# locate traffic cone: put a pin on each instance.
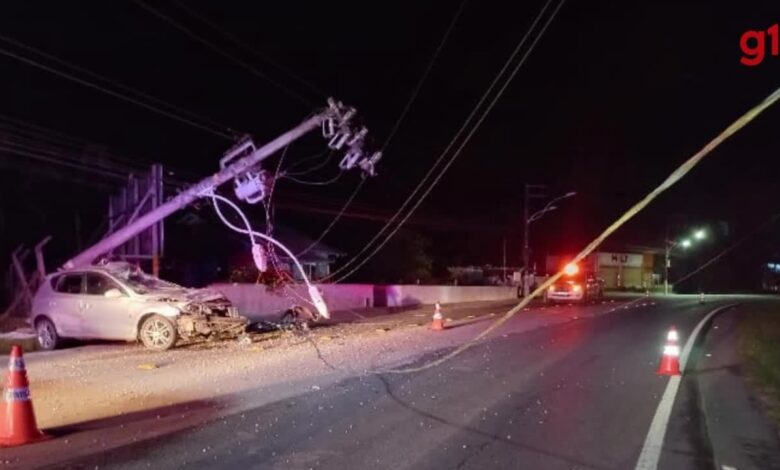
(670, 360)
(17, 419)
(438, 320)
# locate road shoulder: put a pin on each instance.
(740, 434)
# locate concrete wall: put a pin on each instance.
(256, 301)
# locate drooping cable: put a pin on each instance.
(178, 109)
(424, 76)
(452, 142)
(672, 179)
(114, 93)
(316, 298)
(240, 43)
(210, 45)
(334, 220)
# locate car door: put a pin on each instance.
(64, 305)
(105, 317)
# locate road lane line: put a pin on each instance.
(654, 442)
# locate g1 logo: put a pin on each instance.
(753, 45)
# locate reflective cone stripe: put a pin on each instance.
(672, 350)
(438, 320)
(16, 394)
(16, 363)
(670, 360)
(672, 335)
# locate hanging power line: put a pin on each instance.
(312, 169)
(452, 142)
(424, 76)
(111, 82)
(334, 220)
(115, 94)
(315, 183)
(223, 53)
(240, 43)
(670, 181)
(393, 130)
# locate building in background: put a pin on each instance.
(619, 269)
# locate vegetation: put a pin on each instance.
(758, 344)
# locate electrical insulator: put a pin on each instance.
(350, 159)
(368, 165)
(261, 260)
(359, 136)
(328, 128)
(338, 141)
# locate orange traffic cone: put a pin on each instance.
(670, 361)
(17, 419)
(438, 320)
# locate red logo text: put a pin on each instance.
(754, 45)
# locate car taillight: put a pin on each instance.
(576, 287)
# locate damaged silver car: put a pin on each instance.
(118, 301)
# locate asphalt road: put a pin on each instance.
(580, 394)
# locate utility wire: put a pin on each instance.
(424, 76)
(113, 93)
(222, 52)
(240, 43)
(734, 245)
(335, 219)
(671, 180)
(315, 183)
(91, 74)
(312, 169)
(462, 129)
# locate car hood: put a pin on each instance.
(186, 295)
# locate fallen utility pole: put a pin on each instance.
(335, 116)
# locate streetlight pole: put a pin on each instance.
(699, 234)
(527, 219)
(666, 267)
(526, 223)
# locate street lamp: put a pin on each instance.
(527, 220)
(699, 234)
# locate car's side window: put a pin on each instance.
(98, 284)
(69, 284)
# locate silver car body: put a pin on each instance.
(111, 301)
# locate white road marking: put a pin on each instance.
(654, 442)
(728, 467)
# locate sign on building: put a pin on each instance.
(628, 260)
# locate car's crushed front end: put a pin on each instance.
(197, 313)
(208, 314)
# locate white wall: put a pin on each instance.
(257, 302)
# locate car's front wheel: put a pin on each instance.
(158, 333)
(46, 334)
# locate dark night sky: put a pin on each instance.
(615, 96)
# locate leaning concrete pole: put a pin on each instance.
(194, 192)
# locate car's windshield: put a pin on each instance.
(142, 283)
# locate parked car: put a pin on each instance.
(118, 301)
(575, 287)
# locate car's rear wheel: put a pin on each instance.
(158, 333)
(48, 338)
